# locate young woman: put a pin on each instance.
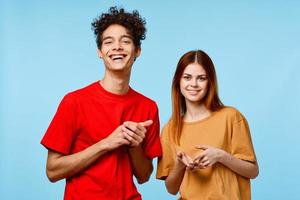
(207, 147)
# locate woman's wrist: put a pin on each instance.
(221, 156)
(179, 165)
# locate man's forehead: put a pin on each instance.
(118, 37)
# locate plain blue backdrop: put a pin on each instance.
(47, 49)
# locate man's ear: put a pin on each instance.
(138, 52)
(100, 55)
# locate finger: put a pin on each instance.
(179, 154)
(132, 141)
(146, 123)
(131, 136)
(141, 128)
(181, 157)
(136, 128)
(125, 141)
(200, 157)
(202, 146)
(204, 159)
(134, 135)
(206, 163)
(189, 162)
(196, 162)
(189, 158)
(191, 166)
(131, 125)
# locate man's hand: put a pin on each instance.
(135, 132)
(116, 139)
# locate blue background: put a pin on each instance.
(47, 48)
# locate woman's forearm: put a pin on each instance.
(244, 168)
(173, 181)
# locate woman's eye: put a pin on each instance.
(186, 77)
(203, 78)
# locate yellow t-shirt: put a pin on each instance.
(226, 129)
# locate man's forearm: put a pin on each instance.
(141, 165)
(61, 166)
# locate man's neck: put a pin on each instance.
(115, 83)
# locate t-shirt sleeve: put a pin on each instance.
(166, 161)
(62, 129)
(152, 145)
(242, 146)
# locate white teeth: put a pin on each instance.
(117, 57)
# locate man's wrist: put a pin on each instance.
(134, 148)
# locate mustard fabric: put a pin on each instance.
(226, 129)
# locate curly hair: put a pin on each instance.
(133, 22)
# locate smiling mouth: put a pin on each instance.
(193, 92)
(117, 57)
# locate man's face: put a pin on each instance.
(117, 50)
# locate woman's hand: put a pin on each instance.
(174, 179)
(208, 156)
(184, 160)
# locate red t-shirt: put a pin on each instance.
(89, 115)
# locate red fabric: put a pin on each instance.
(89, 115)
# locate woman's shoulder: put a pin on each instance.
(232, 113)
(166, 130)
(166, 127)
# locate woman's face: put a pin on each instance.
(194, 83)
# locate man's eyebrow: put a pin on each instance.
(126, 36)
(108, 37)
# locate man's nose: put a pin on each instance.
(117, 46)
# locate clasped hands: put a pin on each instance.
(206, 158)
(129, 133)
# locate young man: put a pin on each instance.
(105, 133)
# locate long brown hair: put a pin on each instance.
(211, 99)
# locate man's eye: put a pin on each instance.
(126, 41)
(107, 42)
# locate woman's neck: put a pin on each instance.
(195, 112)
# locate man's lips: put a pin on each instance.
(117, 56)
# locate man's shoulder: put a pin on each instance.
(144, 99)
(82, 92)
